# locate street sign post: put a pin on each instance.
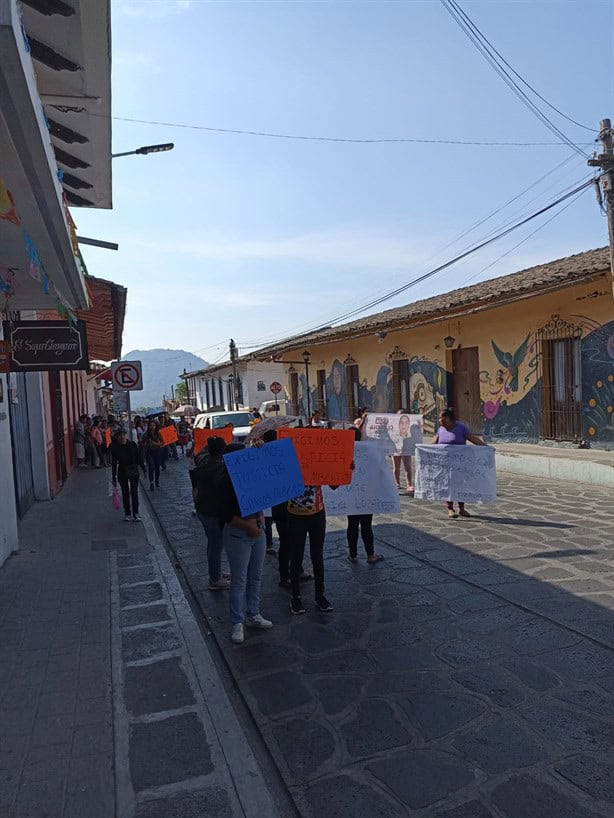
(276, 388)
(127, 376)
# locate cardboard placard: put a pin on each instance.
(449, 472)
(168, 435)
(372, 490)
(325, 455)
(201, 436)
(264, 476)
(396, 434)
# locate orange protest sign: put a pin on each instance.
(325, 455)
(107, 437)
(201, 436)
(168, 435)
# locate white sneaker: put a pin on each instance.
(258, 621)
(237, 635)
(128, 518)
(136, 518)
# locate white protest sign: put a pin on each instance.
(372, 490)
(396, 434)
(449, 472)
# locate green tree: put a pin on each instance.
(181, 392)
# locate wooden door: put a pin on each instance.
(400, 385)
(353, 390)
(466, 386)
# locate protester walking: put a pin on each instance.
(207, 478)
(153, 446)
(245, 545)
(452, 432)
(126, 458)
(363, 524)
(96, 436)
(307, 517)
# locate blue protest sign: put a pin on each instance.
(265, 476)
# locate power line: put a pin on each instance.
(483, 46)
(351, 140)
(441, 267)
(520, 77)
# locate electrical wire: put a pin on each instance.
(479, 41)
(351, 140)
(407, 285)
(519, 76)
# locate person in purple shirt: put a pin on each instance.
(452, 432)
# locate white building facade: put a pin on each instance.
(222, 387)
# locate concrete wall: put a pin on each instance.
(508, 364)
(253, 374)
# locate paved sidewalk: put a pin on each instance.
(468, 675)
(110, 704)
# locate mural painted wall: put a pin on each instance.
(509, 348)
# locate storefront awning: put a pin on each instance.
(36, 253)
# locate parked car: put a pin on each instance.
(275, 407)
(240, 419)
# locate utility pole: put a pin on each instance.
(605, 161)
(233, 361)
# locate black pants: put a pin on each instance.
(364, 522)
(268, 530)
(130, 491)
(299, 526)
(154, 458)
(280, 518)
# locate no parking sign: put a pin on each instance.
(127, 376)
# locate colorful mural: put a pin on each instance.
(427, 390)
(598, 385)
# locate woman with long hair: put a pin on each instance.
(153, 446)
(452, 432)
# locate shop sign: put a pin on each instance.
(39, 346)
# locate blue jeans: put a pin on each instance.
(246, 557)
(215, 545)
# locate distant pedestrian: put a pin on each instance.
(245, 545)
(96, 436)
(452, 432)
(207, 478)
(362, 523)
(126, 457)
(79, 440)
(153, 446)
(316, 420)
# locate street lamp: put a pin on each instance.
(306, 359)
(167, 146)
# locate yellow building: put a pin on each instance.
(524, 357)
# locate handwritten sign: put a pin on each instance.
(263, 477)
(325, 455)
(168, 435)
(447, 472)
(201, 436)
(372, 490)
(396, 434)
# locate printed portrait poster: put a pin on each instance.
(463, 473)
(397, 434)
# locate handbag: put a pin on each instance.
(115, 500)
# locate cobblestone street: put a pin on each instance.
(468, 675)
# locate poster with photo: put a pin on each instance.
(397, 434)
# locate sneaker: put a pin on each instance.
(151, 487)
(323, 604)
(258, 621)
(271, 551)
(157, 484)
(296, 605)
(127, 518)
(452, 514)
(136, 518)
(464, 513)
(219, 585)
(237, 635)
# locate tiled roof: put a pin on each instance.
(563, 272)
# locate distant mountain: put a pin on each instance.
(161, 368)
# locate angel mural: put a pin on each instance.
(510, 363)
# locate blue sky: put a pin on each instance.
(255, 238)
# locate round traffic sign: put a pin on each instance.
(127, 376)
(276, 387)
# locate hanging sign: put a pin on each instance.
(41, 346)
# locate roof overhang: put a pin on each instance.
(71, 49)
(29, 172)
